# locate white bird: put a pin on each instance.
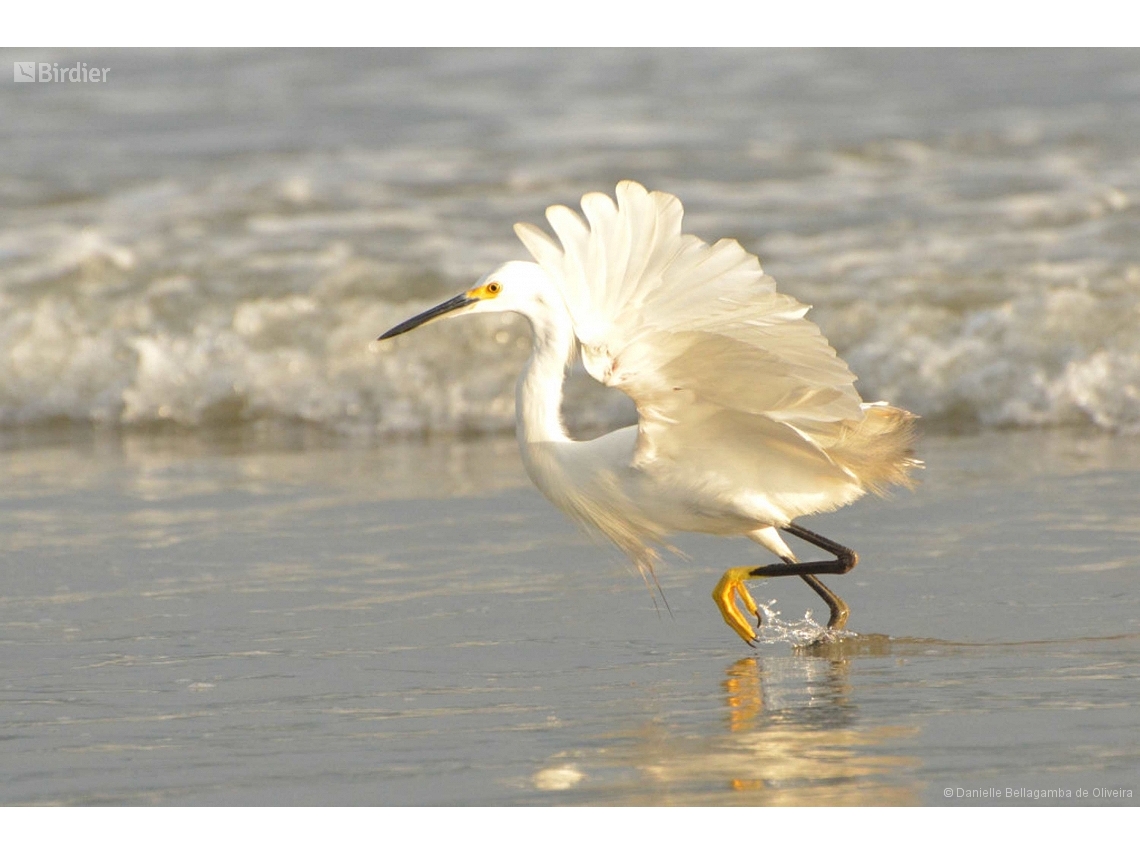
(747, 419)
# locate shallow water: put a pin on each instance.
(285, 621)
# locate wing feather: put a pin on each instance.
(539, 244)
(695, 333)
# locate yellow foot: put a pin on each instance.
(731, 586)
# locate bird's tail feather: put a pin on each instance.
(879, 449)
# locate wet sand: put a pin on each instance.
(295, 620)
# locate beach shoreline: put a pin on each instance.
(411, 623)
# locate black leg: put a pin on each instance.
(839, 610)
(845, 560)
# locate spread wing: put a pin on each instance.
(725, 372)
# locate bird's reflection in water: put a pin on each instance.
(790, 735)
(793, 737)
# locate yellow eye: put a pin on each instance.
(494, 288)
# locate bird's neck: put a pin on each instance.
(538, 396)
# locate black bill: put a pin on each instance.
(431, 314)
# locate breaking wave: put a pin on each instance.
(976, 266)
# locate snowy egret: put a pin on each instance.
(747, 419)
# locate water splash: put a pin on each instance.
(798, 633)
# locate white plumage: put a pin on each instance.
(747, 419)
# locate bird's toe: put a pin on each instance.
(728, 589)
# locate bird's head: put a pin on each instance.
(517, 286)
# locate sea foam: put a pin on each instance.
(974, 263)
